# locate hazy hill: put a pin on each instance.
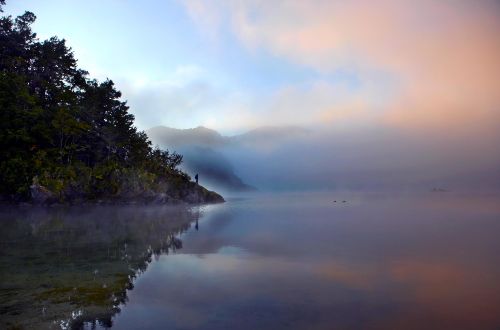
(202, 136)
(173, 137)
(197, 147)
(203, 148)
(214, 169)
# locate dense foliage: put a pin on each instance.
(63, 130)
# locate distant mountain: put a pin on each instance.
(197, 147)
(173, 137)
(203, 150)
(214, 169)
(203, 136)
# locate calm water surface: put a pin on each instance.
(284, 262)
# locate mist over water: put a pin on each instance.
(267, 260)
(311, 260)
(376, 159)
(358, 158)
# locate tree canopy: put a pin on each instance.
(63, 129)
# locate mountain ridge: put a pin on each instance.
(202, 135)
(203, 150)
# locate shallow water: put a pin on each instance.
(302, 262)
(62, 267)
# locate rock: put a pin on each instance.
(180, 193)
(161, 198)
(213, 197)
(41, 195)
(203, 195)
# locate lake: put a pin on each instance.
(267, 261)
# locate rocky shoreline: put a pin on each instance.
(190, 193)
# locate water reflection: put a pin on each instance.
(63, 268)
(307, 263)
(268, 262)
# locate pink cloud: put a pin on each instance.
(444, 55)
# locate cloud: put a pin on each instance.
(443, 55)
(320, 103)
(185, 99)
(155, 103)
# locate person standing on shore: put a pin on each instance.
(196, 178)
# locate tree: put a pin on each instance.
(61, 126)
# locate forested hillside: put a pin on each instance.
(68, 133)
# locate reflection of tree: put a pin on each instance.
(77, 265)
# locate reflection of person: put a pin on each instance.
(197, 217)
(196, 178)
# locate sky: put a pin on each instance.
(413, 83)
(234, 64)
